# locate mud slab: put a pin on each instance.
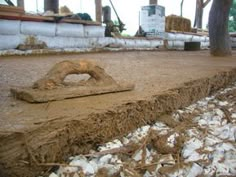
(32, 134)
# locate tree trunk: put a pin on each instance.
(220, 44)
(200, 5)
(52, 5)
(181, 8)
(153, 2)
(98, 7)
(198, 14)
(20, 3)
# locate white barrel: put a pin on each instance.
(70, 30)
(38, 28)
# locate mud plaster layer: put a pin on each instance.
(56, 138)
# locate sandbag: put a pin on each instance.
(156, 43)
(94, 31)
(143, 43)
(38, 28)
(70, 30)
(106, 42)
(9, 41)
(9, 27)
(64, 42)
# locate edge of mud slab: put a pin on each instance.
(53, 142)
(79, 51)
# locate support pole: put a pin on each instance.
(52, 5)
(153, 2)
(98, 4)
(20, 3)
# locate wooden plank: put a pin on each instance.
(24, 17)
(68, 20)
(13, 9)
(37, 18)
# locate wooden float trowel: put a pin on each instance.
(52, 86)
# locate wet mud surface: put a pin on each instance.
(33, 134)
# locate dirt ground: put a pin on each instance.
(33, 134)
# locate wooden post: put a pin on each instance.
(98, 4)
(52, 5)
(153, 2)
(20, 3)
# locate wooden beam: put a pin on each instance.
(20, 3)
(153, 2)
(52, 5)
(98, 4)
(11, 9)
(36, 18)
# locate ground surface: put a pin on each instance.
(152, 73)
